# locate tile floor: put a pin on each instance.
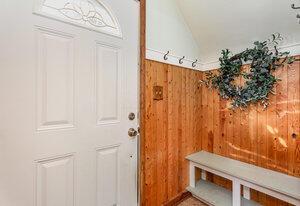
(192, 202)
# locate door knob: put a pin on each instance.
(132, 132)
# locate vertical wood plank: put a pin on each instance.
(262, 145)
(282, 124)
(204, 117)
(183, 179)
(238, 130)
(150, 157)
(244, 124)
(294, 119)
(281, 110)
(160, 107)
(171, 147)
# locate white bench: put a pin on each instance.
(278, 185)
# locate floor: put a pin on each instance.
(192, 202)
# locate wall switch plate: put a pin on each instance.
(158, 93)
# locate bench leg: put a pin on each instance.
(192, 175)
(246, 192)
(203, 174)
(236, 193)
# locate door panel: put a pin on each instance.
(107, 176)
(55, 89)
(55, 181)
(67, 86)
(108, 70)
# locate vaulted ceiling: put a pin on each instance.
(236, 24)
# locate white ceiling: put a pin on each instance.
(236, 24)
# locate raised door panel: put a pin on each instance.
(55, 181)
(107, 176)
(108, 84)
(55, 79)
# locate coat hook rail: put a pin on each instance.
(295, 7)
(168, 56)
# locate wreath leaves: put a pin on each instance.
(259, 82)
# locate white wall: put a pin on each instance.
(236, 24)
(166, 30)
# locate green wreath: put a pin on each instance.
(259, 80)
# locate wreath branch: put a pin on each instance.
(259, 81)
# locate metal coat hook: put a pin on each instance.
(194, 63)
(166, 55)
(295, 7)
(181, 60)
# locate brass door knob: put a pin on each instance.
(132, 132)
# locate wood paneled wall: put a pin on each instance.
(255, 136)
(191, 118)
(172, 130)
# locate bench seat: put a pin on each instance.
(273, 183)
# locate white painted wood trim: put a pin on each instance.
(236, 193)
(207, 169)
(207, 66)
(192, 175)
(285, 184)
(246, 192)
(156, 55)
(270, 192)
(294, 49)
(203, 174)
(173, 59)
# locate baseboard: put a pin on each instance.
(178, 199)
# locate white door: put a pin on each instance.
(68, 80)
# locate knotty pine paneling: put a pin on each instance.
(172, 131)
(192, 117)
(257, 136)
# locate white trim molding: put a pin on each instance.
(207, 66)
(156, 55)
(294, 49)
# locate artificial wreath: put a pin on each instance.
(264, 58)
